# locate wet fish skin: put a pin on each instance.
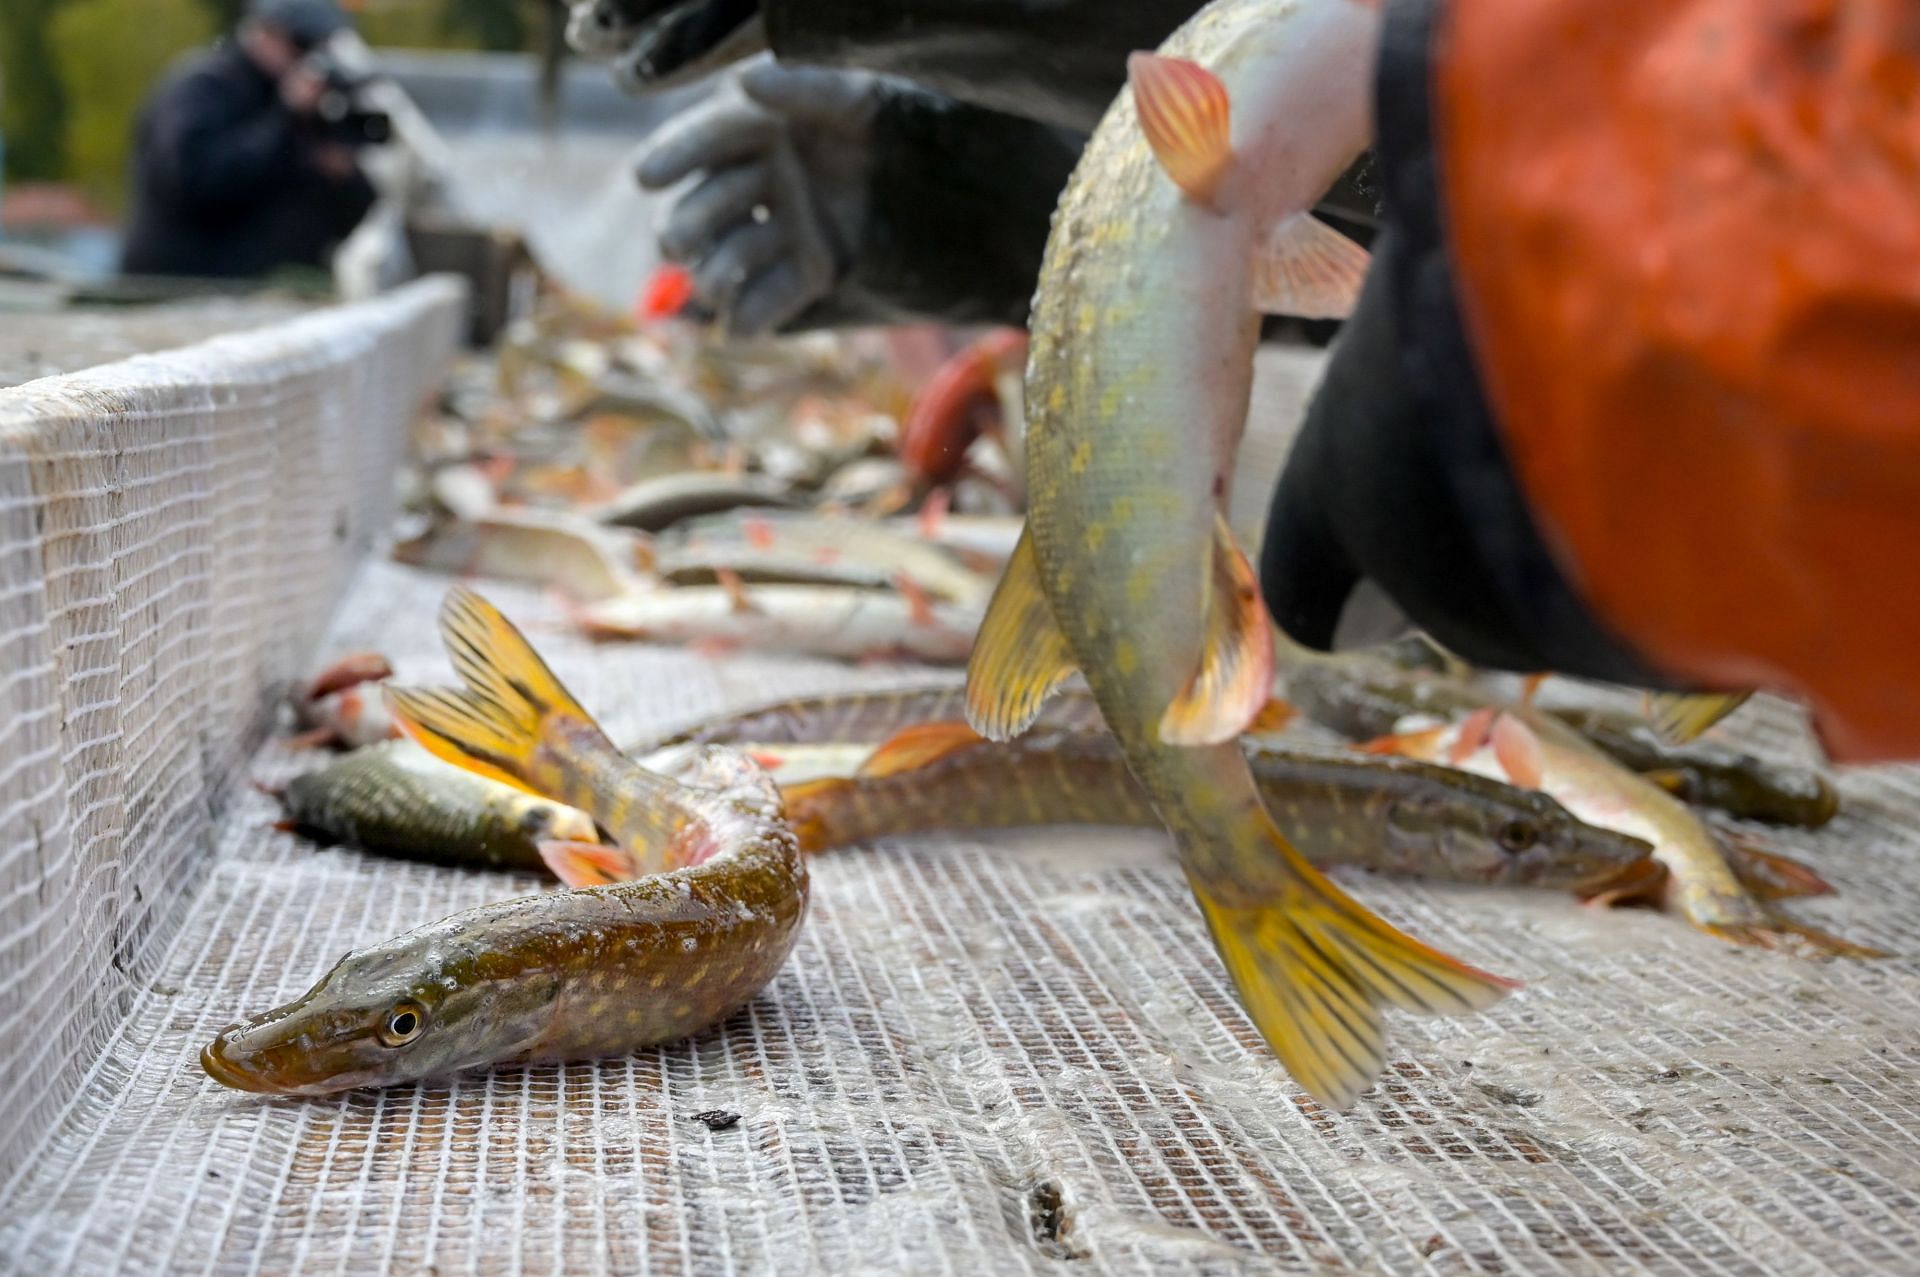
(1701, 885)
(1711, 775)
(1405, 817)
(862, 716)
(1362, 696)
(1143, 333)
(563, 975)
(397, 799)
(836, 621)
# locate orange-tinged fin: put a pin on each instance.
(352, 669)
(758, 531)
(1769, 875)
(1678, 717)
(1530, 687)
(1186, 116)
(1235, 677)
(1019, 656)
(919, 602)
(1424, 743)
(1273, 717)
(1640, 881)
(1307, 268)
(587, 864)
(497, 721)
(914, 747)
(1519, 751)
(1313, 969)
(735, 588)
(933, 512)
(1475, 728)
(1796, 939)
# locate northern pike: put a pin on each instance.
(821, 549)
(1524, 745)
(819, 620)
(660, 502)
(1409, 818)
(564, 975)
(1185, 218)
(397, 799)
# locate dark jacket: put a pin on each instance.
(223, 183)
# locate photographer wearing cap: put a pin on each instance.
(237, 168)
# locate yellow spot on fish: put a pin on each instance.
(1086, 317)
(1139, 586)
(1125, 658)
(1082, 458)
(1095, 536)
(1121, 509)
(1057, 398)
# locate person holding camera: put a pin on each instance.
(236, 171)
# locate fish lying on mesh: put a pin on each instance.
(561, 975)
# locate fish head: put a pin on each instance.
(392, 1013)
(1514, 837)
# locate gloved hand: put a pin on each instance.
(784, 155)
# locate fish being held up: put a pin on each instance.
(565, 975)
(1187, 216)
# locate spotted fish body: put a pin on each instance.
(562, 975)
(1407, 818)
(1143, 333)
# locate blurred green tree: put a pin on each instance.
(33, 103)
(109, 54)
(498, 25)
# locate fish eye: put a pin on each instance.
(403, 1024)
(1517, 836)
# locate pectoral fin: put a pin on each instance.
(1235, 676)
(1307, 268)
(1019, 656)
(914, 747)
(1184, 112)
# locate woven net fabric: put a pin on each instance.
(1005, 1054)
(175, 530)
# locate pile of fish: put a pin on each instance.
(825, 496)
(849, 496)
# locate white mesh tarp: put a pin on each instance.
(175, 530)
(998, 1055)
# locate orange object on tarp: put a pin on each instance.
(1687, 240)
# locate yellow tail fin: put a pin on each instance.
(1313, 968)
(510, 702)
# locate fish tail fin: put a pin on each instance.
(1313, 969)
(510, 707)
(1678, 717)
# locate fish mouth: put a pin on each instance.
(674, 46)
(1639, 879)
(228, 1073)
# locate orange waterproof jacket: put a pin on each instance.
(1687, 245)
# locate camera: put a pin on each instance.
(342, 112)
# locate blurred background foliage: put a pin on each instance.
(73, 73)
